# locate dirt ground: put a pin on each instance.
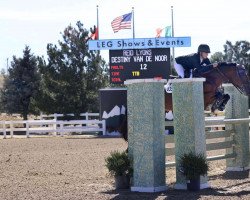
(72, 168)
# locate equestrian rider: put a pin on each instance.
(194, 65)
(196, 62)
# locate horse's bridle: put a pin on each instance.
(222, 74)
(240, 73)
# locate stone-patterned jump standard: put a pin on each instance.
(146, 139)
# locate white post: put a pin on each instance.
(4, 130)
(55, 124)
(61, 129)
(11, 129)
(27, 129)
(103, 127)
(41, 116)
(87, 118)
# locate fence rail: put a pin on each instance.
(46, 126)
(56, 115)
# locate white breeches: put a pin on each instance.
(179, 69)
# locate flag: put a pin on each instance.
(167, 29)
(122, 22)
(93, 34)
(158, 32)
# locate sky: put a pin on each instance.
(38, 22)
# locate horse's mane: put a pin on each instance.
(221, 65)
(227, 64)
(230, 72)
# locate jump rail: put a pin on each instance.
(210, 122)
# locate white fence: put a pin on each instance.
(54, 126)
(86, 115)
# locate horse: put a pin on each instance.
(224, 73)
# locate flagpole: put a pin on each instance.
(97, 22)
(172, 17)
(133, 15)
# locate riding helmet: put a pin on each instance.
(204, 48)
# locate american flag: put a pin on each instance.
(122, 22)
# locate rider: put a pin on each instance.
(194, 65)
(197, 62)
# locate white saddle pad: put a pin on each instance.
(168, 87)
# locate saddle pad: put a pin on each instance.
(168, 87)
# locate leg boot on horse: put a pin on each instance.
(220, 101)
(226, 98)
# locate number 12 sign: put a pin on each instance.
(139, 64)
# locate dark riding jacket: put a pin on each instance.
(192, 62)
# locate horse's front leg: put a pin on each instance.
(209, 93)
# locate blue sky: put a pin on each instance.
(36, 23)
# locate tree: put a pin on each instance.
(217, 57)
(239, 52)
(21, 84)
(73, 75)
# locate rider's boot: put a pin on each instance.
(226, 98)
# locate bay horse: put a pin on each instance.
(224, 73)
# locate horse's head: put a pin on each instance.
(235, 74)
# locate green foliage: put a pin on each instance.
(217, 57)
(73, 75)
(21, 84)
(238, 53)
(192, 165)
(119, 163)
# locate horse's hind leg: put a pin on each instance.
(225, 99)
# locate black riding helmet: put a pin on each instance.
(204, 48)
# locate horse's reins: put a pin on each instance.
(222, 74)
